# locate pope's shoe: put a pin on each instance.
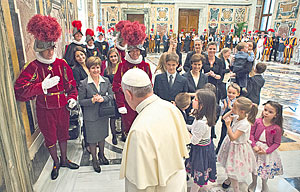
(69, 164)
(54, 172)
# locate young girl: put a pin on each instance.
(236, 154)
(202, 162)
(233, 91)
(266, 137)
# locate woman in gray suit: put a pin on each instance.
(92, 91)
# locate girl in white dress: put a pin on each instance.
(236, 154)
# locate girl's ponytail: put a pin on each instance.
(252, 114)
(250, 108)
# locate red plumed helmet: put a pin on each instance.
(256, 31)
(223, 31)
(182, 30)
(271, 30)
(120, 25)
(133, 33)
(193, 30)
(171, 30)
(294, 29)
(44, 28)
(99, 29)
(249, 32)
(89, 32)
(152, 30)
(244, 30)
(77, 24)
(204, 30)
(231, 30)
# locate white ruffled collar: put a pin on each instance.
(78, 42)
(120, 47)
(90, 47)
(43, 60)
(130, 60)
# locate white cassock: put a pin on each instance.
(155, 147)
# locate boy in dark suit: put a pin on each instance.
(167, 85)
(255, 83)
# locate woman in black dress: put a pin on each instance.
(213, 68)
(113, 61)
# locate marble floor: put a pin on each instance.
(282, 85)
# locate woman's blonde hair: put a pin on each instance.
(161, 63)
(245, 104)
(110, 67)
(93, 60)
(223, 51)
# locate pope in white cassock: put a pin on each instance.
(156, 143)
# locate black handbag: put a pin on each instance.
(107, 109)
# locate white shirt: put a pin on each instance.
(200, 130)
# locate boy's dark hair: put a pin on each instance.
(196, 58)
(172, 57)
(260, 67)
(182, 100)
(207, 100)
(240, 46)
(211, 87)
(235, 86)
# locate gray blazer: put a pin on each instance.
(85, 93)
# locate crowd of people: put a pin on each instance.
(160, 114)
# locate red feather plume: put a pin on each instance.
(171, 30)
(99, 29)
(89, 32)
(249, 32)
(77, 24)
(193, 29)
(244, 30)
(133, 33)
(256, 31)
(294, 29)
(204, 30)
(223, 31)
(231, 30)
(152, 30)
(272, 30)
(182, 30)
(44, 28)
(120, 25)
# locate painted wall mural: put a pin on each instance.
(162, 14)
(223, 18)
(287, 10)
(226, 14)
(214, 14)
(287, 13)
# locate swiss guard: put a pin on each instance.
(91, 49)
(50, 81)
(77, 41)
(101, 43)
(289, 44)
(133, 34)
(268, 44)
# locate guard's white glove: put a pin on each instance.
(72, 103)
(122, 110)
(49, 82)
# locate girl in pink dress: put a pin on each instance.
(236, 154)
(266, 137)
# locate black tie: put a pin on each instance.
(170, 81)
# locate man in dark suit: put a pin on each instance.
(228, 40)
(157, 43)
(197, 50)
(167, 85)
(275, 46)
(187, 42)
(255, 83)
